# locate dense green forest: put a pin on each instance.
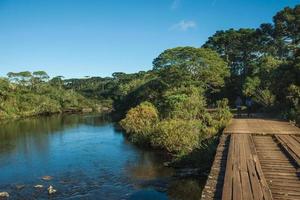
(184, 100)
(26, 94)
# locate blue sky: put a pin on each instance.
(77, 38)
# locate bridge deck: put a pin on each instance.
(252, 165)
(260, 126)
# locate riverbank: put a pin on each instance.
(31, 114)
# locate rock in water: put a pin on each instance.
(51, 190)
(47, 178)
(19, 187)
(4, 194)
(38, 186)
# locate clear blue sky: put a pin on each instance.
(76, 38)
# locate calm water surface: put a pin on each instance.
(87, 158)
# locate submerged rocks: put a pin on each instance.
(47, 178)
(4, 194)
(20, 187)
(51, 190)
(38, 186)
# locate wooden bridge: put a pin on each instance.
(256, 159)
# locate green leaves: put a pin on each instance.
(28, 94)
(287, 26)
(140, 122)
(182, 66)
(177, 135)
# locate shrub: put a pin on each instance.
(178, 136)
(222, 115)
(184, 103)
(140, 122)
(294, 99)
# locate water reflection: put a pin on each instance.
(87, 158)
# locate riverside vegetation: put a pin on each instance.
(167, 107)
(27, 94)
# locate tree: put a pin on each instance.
(20, 77)
(184, 103)
(57, 81)
(40, 76)
(287, 28)
(189, 65)
(236, 47)
(265, 41)
(260, 83)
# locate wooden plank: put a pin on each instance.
(237, 185)
(255, 185)
(227, 188)
(247, 191)
(282, 178)
(243, 177)
(263, 182)
(291, 145)
(260, 126)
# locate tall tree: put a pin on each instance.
(20, 77)
(236, 47)
(189, 65)
(40, 76)
(287, 28)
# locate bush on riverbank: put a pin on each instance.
(140, 122)
(179, 136)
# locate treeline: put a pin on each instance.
(26, 94)
(264, 63)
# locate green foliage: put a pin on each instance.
(177, 135)
(140, 122)
(253, 53)
(25, 94)
(178, 85)
(294, 98)
(151, 91)
(287, 25)
(131, 86)
(222, 115)
(184, 124)
(189, 65)
(184, 103)
(235, 47)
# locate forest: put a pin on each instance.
(185, 98)
(25, 94)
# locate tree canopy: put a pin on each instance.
(189, 65)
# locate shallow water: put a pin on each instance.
(87, 158)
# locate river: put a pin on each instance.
(86, 157)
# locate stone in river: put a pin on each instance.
(19, 187)
(51, 190)
(38, 186)
(4, 194)
(47, 178)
